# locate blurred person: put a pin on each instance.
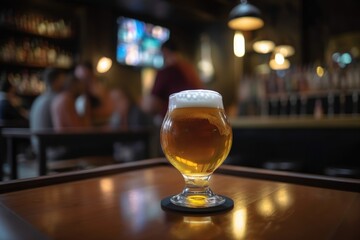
(126, 112)
(177, 75)
(63, 110)
(40, 112)
(96, 94)
(128, 115)
(10, 109)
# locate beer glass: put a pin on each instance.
(196, 138)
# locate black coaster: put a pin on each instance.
(166, 204)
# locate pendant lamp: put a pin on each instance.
(263, 46)
(245, 17)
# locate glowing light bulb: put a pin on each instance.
(104, 65)
(279, 58)
(239, 44)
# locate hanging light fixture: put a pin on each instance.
(285, 50)
(263, 46)
(239, 44)
(262, 43)
(279, 62)
(245, 17)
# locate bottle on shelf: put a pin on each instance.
(34, 51)
(36, 23)
(312, 91)
(26, 83)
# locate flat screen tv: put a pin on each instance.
(139, 43)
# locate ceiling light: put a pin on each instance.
(278, 62)
(264, 46)
(104, 65)
(285, 50)
(245, 17)
(239, 44)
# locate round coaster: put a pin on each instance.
(166, 204)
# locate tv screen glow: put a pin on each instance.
(139, 43)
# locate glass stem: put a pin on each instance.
(198, 185)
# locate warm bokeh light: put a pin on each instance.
(283, 198)
(197, 220)
(263, 46)
(246, 23)
(106, 185)
(320, 71)
(279, 58)
(239, 223)
(278, 62)
(147, 79)
(275, 66)
(239, 44)
(285, 50)
(104, 65)
(266, 207)
(205, 65)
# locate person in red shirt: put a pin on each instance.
(177, 75)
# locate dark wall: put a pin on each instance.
(97, 30)
(227, 67)
(98, 37)
(323, 20)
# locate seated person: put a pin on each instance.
(65, 117)
(63, 111)
(40, 113)
(96, 94)
(128, 115)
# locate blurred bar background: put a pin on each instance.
(295, 110)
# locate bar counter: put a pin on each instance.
(304, 144)
(123, 202)
(296, 122)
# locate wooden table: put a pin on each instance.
(70, 138)
(123, 202)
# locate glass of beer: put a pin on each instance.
(196, 138)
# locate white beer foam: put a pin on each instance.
(196, 98)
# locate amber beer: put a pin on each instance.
(196, 136)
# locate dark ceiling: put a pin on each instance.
(338, 15)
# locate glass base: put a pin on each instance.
(197, 200)
(167, 205)
(197, 193)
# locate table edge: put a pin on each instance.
(336, 183)
(344, 184)
(41, 181)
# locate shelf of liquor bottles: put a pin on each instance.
(37, 24)
(33, 39)
(34, 52)
(302, 92)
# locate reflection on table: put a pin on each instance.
(123, 202)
